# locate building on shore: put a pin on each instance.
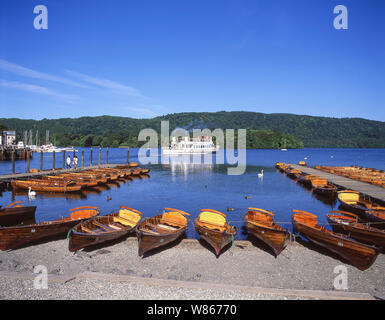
(8, 138)
(8, 146)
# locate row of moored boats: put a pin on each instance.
(368, 175)
(85, 228)
(74, 181)
(358, 229)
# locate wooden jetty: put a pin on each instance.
(373, 191)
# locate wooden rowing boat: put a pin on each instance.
(100, 178)
(102, 229)
(43, 186)
(160, 230)
(353, 201)
(293, 173)
(110, 175)
(324, 188)
(306, 179)
(16, 213)
(84, 181)
(211, 225)
(19, 236)
(346, 222)
(376, 216)
(260, 223)
(357, 254)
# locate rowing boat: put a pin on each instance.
(376, 216)
(84, 181)
(102, 229)
(306, 179)
(44, 186)
(357, 254)
(260, 223)
(211, 225)
(18, 236)
(16, 213)
(346, 222)
(160, 230)
(324, 188)
(353, 201)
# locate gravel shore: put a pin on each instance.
(299, 266)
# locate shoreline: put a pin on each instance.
(247, 269)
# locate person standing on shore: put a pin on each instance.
(75, 162)
(68, 163)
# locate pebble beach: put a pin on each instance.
(187, 269)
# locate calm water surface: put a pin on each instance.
(192, 187)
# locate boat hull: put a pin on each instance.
(148, 241)
(363, 233)
(275, 239)
(17, 215)
(15, 237)
(357, 254)
(79, 240)
(215, 238)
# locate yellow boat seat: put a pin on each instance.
(174, 219)
(349, 198)
(127, 218)
(212, 220)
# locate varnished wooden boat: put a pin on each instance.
(260, 223)
(18, 236)
(346, 222)
(354, 202)
(110, 175)
(160, 230)
(293, 173)
(376, 217)
(212, 227)
(85, 182)
(102, 229)
(16, 213)
(306, 179)
(324, 188)
(43, 186)
(100, 178)
(357, 254)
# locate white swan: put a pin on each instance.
(260, 175)
(31, 193)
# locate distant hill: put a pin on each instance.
(301, 130)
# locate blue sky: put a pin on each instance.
(145, 58)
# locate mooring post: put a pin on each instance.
(64, 159)
(27, 161)
(107, 156)
(91, 158)
(13, 161)
(53, 160)
(41, 160)
(100, 153)
(82, 158)
(128, 156)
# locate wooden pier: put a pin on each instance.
(370, 190)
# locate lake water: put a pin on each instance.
(191, 187)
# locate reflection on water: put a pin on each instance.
(181, 165)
